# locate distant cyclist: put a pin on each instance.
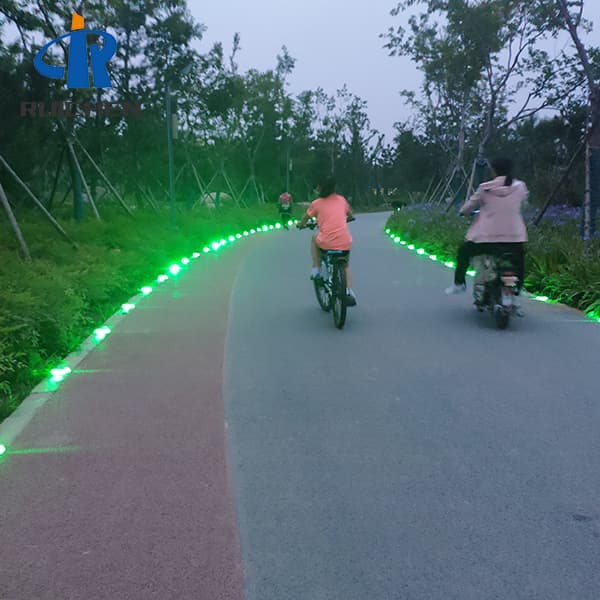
(331, 211)
(285, 207)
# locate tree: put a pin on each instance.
(478, 57)
(572, 22)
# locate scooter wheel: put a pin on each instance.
(501, 317)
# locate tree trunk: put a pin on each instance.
(77, 190)
(592, 194)
(14, 224)
(592, 197)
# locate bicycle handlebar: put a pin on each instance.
(313, 224)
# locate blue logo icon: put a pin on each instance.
(78, 67)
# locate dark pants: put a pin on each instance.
(470, 249)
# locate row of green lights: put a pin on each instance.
(58, 374)
(421, 251)
(451, 265)
(175, 269)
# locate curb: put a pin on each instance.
(16, 422)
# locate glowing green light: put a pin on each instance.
(238, 236)
(403, 243)
(277, 225)
(101, 333)
(162, 278)
(541, 298)
(215, 245)
(397, 240)
(265, 228)
(223, 242)
(127, 307)
(206, 250)
(146, 290)
(174, 269)
(471, 273)
(185, 261)
(253, 231)
(196, 255)
(231, 238)
(433, 257)
(449, 264)
(421, 251)
(411, 247)
(59, 374)
(387, 230)
(271, 227)
(246, 234)
(2, 449)
(291, 222)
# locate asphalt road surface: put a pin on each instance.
(228, 442)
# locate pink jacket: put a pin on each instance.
(499, 218)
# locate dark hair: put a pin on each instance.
(327, 185)
(503, 167)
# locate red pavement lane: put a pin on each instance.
(143, 508)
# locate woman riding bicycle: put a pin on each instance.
(499, 226)
(332, 212)
(285, 205)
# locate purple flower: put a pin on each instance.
(561, 214)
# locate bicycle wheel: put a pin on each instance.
(339, 294)
(322, 293)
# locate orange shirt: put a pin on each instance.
(331, 215)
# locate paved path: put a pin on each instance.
(142, 510)
(419, 454)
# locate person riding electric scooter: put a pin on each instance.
(498, 227)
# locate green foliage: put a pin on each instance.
(236, 130)
(49, 306)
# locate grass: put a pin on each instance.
(49, 306)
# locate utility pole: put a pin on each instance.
(171, 135)
(287, 169)
(170, 153)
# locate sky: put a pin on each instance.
(333, 41)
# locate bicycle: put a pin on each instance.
(330, 286)
(286, 217)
